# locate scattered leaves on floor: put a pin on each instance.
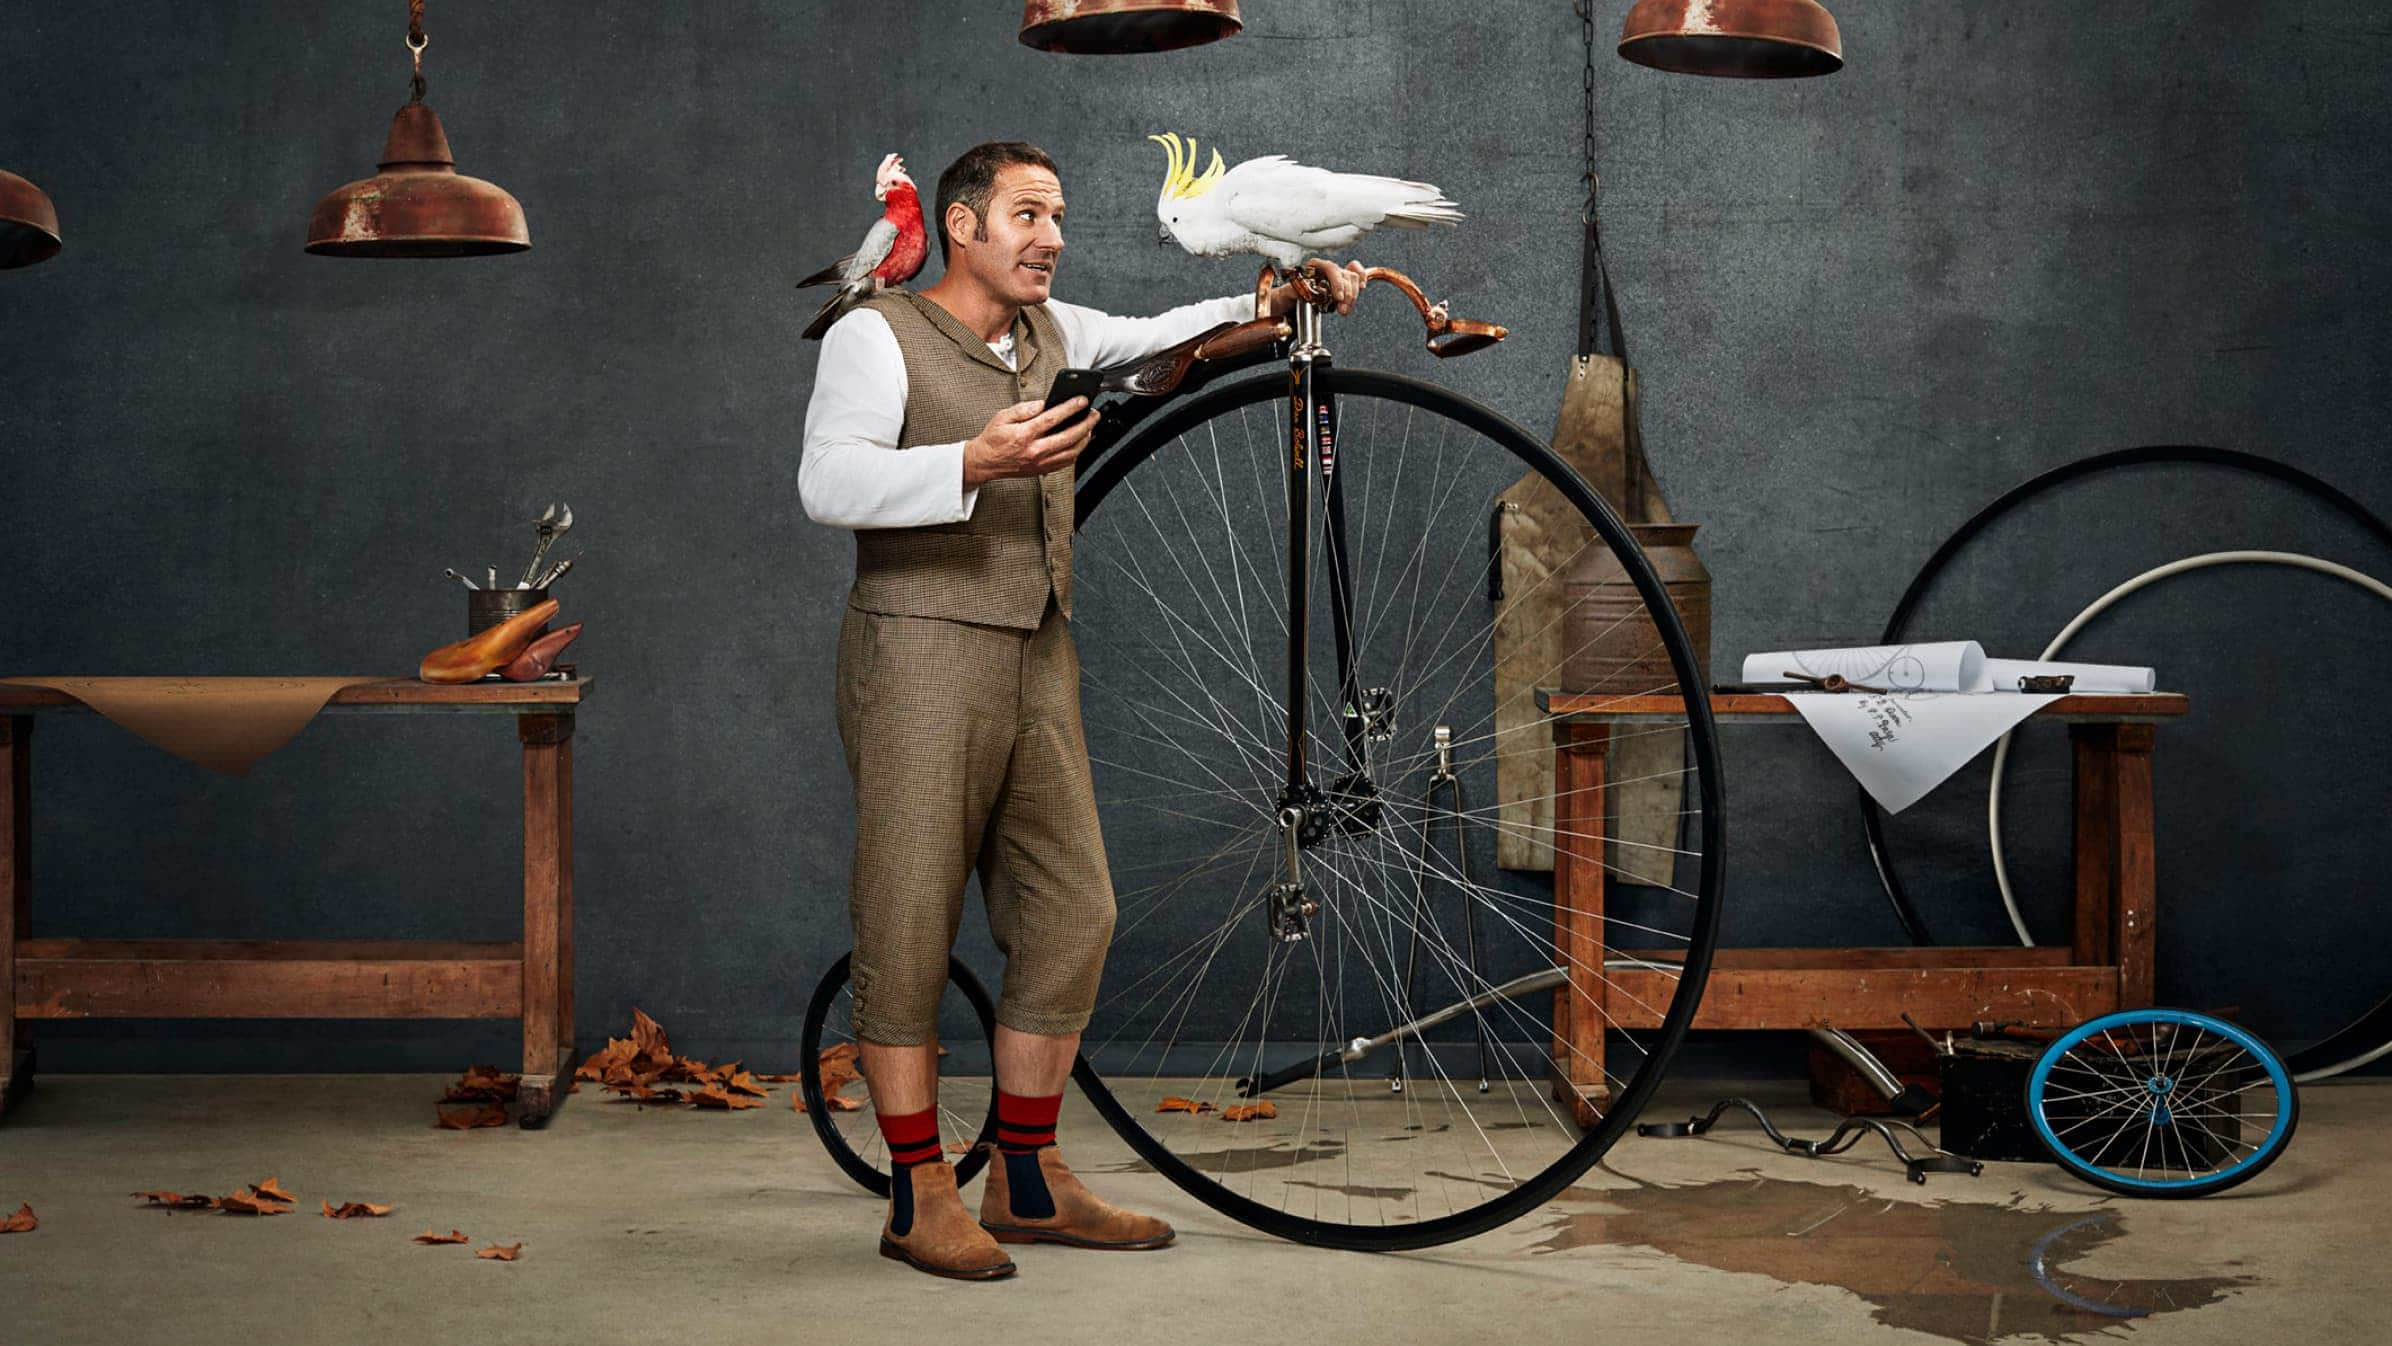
(470, 1119)
(1178, 1104)
(435, 1236)
(1250, 1112)
(502, 1252)
(839, 1069)
(251, 1203)
(178, 1201)
(488, 1089)
(715, 1096)
(350, 1210)
(272, 1190)
(23, 1222)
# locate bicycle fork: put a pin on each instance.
(1306, 813)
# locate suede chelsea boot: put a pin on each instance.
(1070, 1214)
(937, 1233)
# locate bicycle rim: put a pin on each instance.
(842, 1113)
(1180, 618)
(2164, 1103)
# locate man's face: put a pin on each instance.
(1016, 261)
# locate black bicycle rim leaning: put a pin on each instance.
(2361, 1036)
(1166, 428)
(809, 1078)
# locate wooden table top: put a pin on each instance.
(1741, 705)
(385, 695)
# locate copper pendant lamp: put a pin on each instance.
(28, 223)
(1119, 27)
(418, 204)
(1742, 39)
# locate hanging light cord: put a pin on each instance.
(416, 42)
(1589, 306)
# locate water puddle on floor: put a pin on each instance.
(1967, 1272)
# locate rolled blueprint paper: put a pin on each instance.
(1945, 666)
(2005, 673)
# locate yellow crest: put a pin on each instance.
(1182, 182)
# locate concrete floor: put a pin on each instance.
(668, 1226)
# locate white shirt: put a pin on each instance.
(851, 476)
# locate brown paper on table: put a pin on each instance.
(224, 724)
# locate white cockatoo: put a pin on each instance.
(1281, 209)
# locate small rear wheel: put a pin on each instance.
(832, 1085)
(2162, 1102)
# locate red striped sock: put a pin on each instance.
(1024, 1124)
(913, 1137)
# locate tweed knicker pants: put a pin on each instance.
(965, 745)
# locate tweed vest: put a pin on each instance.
(997, 566)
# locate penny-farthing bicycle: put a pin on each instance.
(1327, 1012)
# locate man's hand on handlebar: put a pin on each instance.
(1344, 283)
(1028, 440)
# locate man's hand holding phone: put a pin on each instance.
(1028, 439)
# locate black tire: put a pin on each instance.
(1120, 464)
(828, 995)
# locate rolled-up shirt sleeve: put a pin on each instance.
(850, 473)
(1094, 340)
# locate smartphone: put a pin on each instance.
(1073, 383)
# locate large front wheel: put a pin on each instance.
(1347, 1036)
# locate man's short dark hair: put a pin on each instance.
(972, 179)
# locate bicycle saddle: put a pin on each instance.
(1161, 372)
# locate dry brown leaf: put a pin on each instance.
(458, 1119)
(713, 1096)
(779, 1079)
(350, 1210)
(23, 1222)
(1250, 1112)
(648, 1035)
(435, 1236)
(744, 1083)
(271, 1189)
(1176, 1104)
(250, 1203)
(501, 1252)
(178, 1201)
(484, 1084)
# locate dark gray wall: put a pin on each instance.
(2007, 236)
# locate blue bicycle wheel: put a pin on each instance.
(2162, 1102)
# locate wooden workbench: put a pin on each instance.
(2106, 965)
(530, 979)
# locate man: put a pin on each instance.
(958, 691)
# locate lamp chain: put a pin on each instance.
(416, 42)
(1591, 302)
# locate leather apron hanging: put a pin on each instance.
(1538, 534)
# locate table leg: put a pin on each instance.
(2093, 941)
(2116, 856)
(1578, 890)
(546, 878)
(2136, 913)
(16, 900)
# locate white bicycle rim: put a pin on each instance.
(2001, 750)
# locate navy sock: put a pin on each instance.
(913, 1140)
(1024, 1127)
